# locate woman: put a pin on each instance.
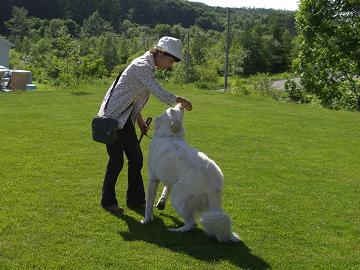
(125, 104)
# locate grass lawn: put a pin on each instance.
(292, 186)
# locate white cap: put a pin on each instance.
(171, 46)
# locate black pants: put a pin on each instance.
(127, 142)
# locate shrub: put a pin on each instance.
(163, 75)
(178, 74)
(92, 67)
(239, 86)
(208, 77)
(258, 85)
(261, 84)
(350, 98)
(118, 69)
(296, 93)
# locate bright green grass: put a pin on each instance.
(292, 186)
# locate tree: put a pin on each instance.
(19, 24)
(55, 28)
(162, 30)
(95, 25)
(66, 59)
(260, 50)
(197, 45)
(285, 50)
(129, 29)
(108, 51)
(123, 49)
(237, 56)
(329, 51)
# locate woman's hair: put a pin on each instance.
(154, 52)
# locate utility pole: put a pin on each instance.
(187, 60)
(227, 50)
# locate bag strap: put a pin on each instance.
(115, 83)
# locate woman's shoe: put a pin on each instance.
(136, 206)
(116, 209)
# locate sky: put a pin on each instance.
(275, 4)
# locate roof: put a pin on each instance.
(3, 40)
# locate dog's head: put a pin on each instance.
(170, 123)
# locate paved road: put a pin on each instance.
(280, 84)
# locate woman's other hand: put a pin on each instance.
(142, 125)
(185, 103)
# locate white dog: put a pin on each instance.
(196, 182)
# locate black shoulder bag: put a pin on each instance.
(104, 129)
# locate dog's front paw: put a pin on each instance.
(147, 220)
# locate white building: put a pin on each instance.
(4, 51)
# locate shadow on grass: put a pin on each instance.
(195, 243)
(80, 93)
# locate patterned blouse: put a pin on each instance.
(133, 90)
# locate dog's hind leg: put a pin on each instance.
(189, 225)
(151, 193)
(184, 207)
(214, 201)
(163, 198)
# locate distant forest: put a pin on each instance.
(70, 41)
(67, 42)
(144, 12)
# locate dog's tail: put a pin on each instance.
(217, 223)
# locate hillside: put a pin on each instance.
(143, 12)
